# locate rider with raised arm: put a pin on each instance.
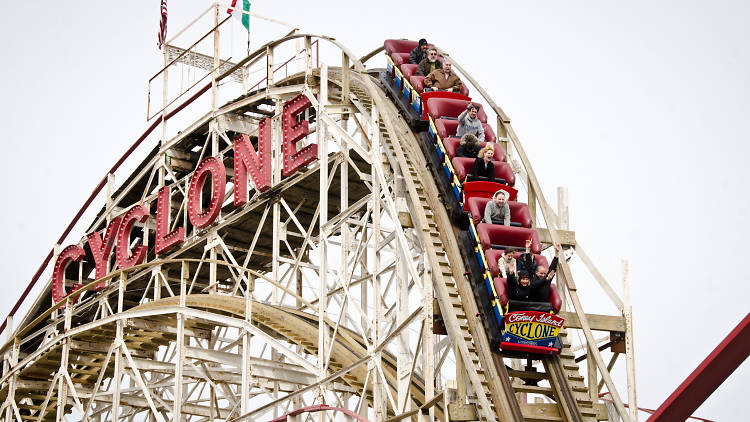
(468, 122)
(544, 278)
(530, 283)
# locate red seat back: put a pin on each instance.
(554, 298)
(484, 189)
(399, 46)
(464, 165)
(501, 289)
(446, 128)
(519, 212)
(439, 94)
(495, 234)
(400, 58)
(408, 69)
(417, 82)
(494, 255)
(451, 107)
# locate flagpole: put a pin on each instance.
(248, 28)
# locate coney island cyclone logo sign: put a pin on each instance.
(532, 328)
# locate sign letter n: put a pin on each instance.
(245, 158)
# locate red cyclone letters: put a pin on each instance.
(100, 250)
(72, 253)
(210, 166)
(124, 258)
(258, 164)
(246, 159)
(295, 132)
(165, 241)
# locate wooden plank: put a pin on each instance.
(462, 412)
(596, 322)
(566, 237)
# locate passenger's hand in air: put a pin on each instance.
(528, 245)
(557, 250)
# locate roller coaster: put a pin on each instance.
(305, 246)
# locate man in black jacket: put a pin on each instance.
(533, 281)
(543, 278)
(419, 52)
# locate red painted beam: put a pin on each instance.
(708, 376)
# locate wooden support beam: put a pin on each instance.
(550, 411)
(565, 237)
(596, 322)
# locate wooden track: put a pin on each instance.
(145, 334)
(149, 325)
(566, 384)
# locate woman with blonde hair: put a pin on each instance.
(483, 166)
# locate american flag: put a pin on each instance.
(163, 24)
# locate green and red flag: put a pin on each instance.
(241, 12)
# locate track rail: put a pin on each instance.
(66, 362)
(498, 386)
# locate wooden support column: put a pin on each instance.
(564, 224)
(323, 245)
(345, 84)
(180, 345)
(308, 61)
(10, 361)
(502, 135)
(460, 378)
(532, 202)
(117, 376)
(246, 357)
(269, 67)
(404, 358)
(428, 342)
(629, 348)
(375, 319)
(591, 374)
(62, 391)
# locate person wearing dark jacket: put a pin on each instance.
(519, 284)
(545, 276)
(483, 164)
(469, 146)
(419, 52)
(429, 63)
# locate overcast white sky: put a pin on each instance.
(638, 108)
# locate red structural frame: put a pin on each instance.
(708, 376)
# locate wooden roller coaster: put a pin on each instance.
(328, 283)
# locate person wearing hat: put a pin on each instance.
(419, 52)
(497, 210)
(519, 284)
